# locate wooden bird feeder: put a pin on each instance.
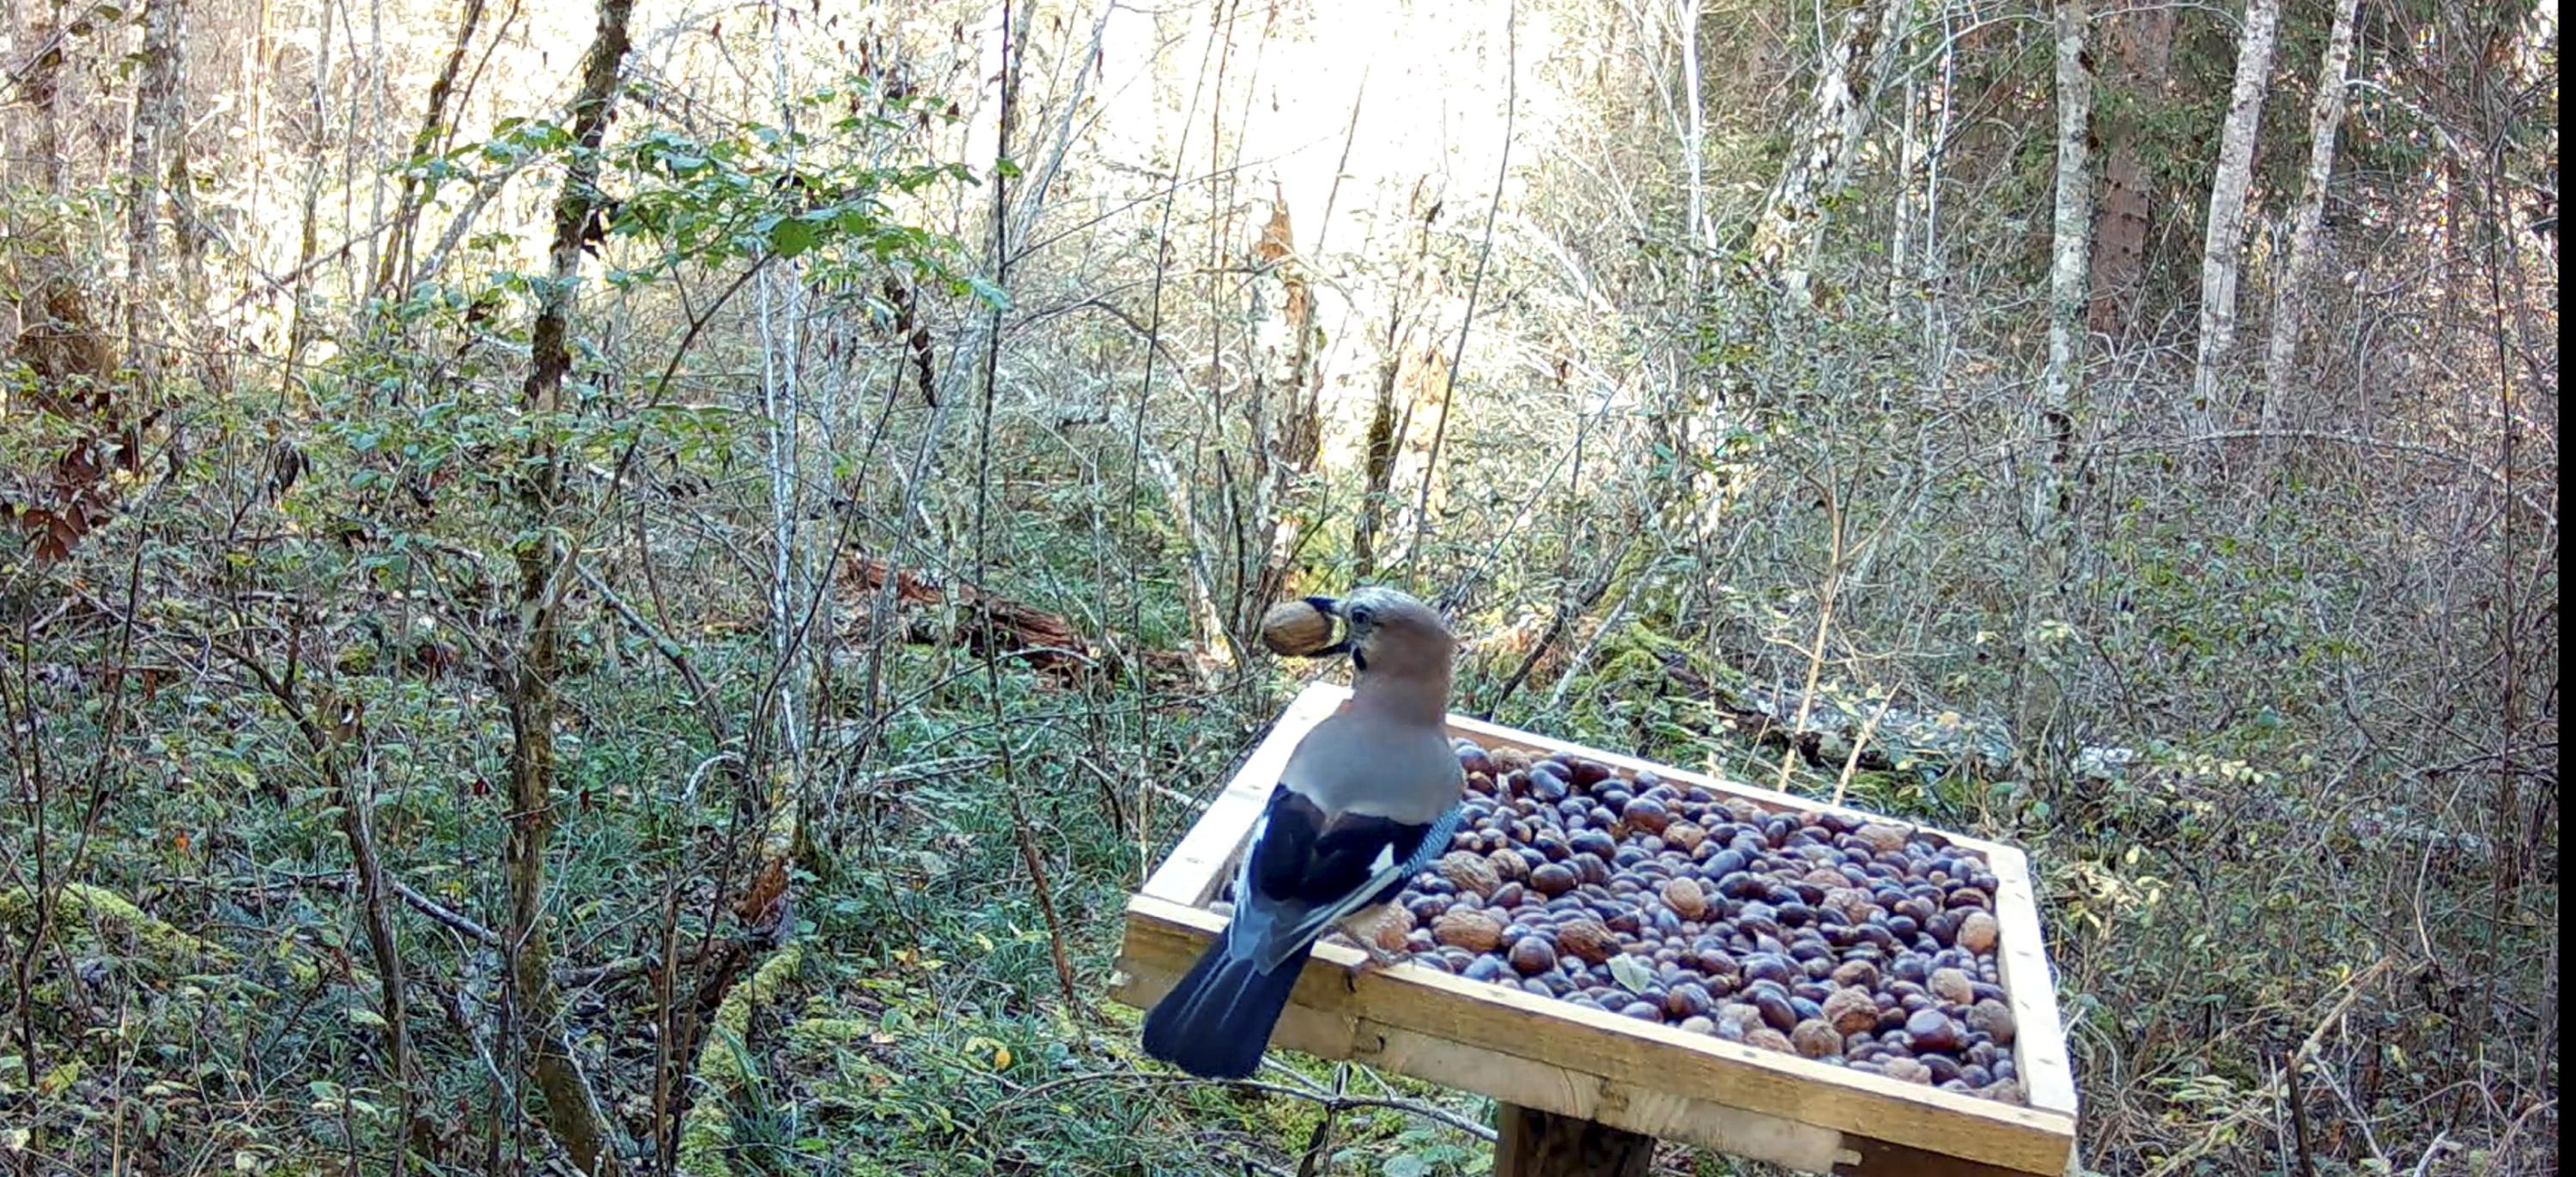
(1584, 1093)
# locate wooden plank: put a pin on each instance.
(1510, 1078)
(2021, 958)
(1192, 872)
(1545, 1053)
(1878, 1156)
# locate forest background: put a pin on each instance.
(629, 588)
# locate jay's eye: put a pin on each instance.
(1359, 615)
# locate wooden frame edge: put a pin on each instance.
(1336, 1008)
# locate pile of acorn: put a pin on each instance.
(1856, 943)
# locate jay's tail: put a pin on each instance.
(1217, 1021)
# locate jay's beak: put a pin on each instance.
(1330, 607)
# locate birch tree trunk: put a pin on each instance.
(2224, 242)
(2141, 55)
(2325, 117)
(2068, 252)
(1819, 164)
(1284, 411)
(1701, 236)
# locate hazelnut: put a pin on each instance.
(1952, 986)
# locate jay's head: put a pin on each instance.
(1389, 633)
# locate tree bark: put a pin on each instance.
(2325, 117)
(1819, 163)
(2141, 55)
(2224, 242)
(529, 677)
(2068, 250)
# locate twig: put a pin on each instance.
(2299, 1117)
(1859, 742)
(671, 651)
(2423, 1166)
(1319, 1143)
(1346, 1102)
(462, 924)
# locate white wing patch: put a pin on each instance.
(1385, 860)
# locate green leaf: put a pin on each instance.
(1631, 973)
(790, 237)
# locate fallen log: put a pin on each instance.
(1047, 642)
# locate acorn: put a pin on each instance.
(1298, 628)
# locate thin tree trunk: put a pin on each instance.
(2051, 536)
(2068, 252)
(308, 240)
(2223, 245)
(396, 259)
(529, 678)
(1377, 465)
(2141, 55)
(1900, 236)
(2325, 117)
(42, 87)
(326, 733)
(1700, 236)
(1819, 163)
(148, 134)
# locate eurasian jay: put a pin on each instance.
(1369, 798)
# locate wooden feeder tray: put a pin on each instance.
(1569, 1060)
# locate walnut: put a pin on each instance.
(1470, 871)
(1587, 939)
(1474, 931)
(1296, 628)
